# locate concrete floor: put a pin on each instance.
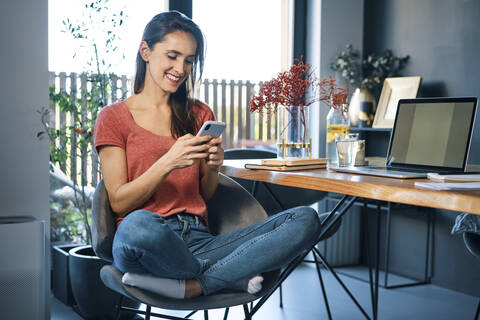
(303, 301)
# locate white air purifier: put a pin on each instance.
(22, 268)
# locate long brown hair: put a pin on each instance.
(181, 101)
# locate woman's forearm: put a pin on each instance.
(208, 182)
(133, 194)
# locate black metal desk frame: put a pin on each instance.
(387, 208)
(327, 224)
(334, 216)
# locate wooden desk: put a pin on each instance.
(363, 186)
(377, 188)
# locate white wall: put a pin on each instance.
(24, 168)
(331, 24)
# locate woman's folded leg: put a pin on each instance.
(145, 242)
(268, 245)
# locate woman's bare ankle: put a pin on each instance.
(192, 288)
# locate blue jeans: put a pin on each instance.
(182, 247)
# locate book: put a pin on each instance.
(290, 162)
(465, 177)
(257, 166)
(448, 185)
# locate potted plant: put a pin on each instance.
(366, 76)
(66, 232)
(93, 299)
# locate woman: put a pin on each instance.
(159, 175)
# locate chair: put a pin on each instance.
(472, 242)
(231, 207)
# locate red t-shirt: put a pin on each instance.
(180, 191)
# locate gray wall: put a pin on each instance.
(24, 89)
(443, 40)
(331, 24)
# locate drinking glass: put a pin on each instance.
(349, 148)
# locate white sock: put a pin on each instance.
(255, 284)
(172, 288)
(252, 285)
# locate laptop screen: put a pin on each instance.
(432, 132)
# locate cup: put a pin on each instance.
(360, 154)
(350, 151)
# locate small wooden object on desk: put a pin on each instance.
(289, 164)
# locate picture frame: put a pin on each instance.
(393, 90)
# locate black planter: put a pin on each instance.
(94, 300)
(61, 288)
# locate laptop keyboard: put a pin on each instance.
(413, 170)
(405, 169)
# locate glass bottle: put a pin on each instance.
(337, 122)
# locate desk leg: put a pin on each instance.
(427, 271)
(319, 272)
(329, 268)
(374, 264)
(387, 246)
(377, 259)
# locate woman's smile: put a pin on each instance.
(173, 79)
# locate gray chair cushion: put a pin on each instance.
(103, 224)
(112, 278)
(472, 242)
(232, 207)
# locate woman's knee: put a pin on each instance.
(309, 217)
(143, 229)
(139, 219)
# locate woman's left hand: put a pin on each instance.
(215, 153)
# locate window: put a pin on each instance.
(246, 40)
(61, 47)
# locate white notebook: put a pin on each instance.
(448, 185)
(454, 177)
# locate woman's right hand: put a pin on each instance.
(186, 151)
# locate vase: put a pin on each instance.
(360, 95)
(365, 115)
(337, 122)
(293, 134)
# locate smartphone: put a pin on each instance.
(212, 128)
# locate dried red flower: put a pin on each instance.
(291, 88)
(332, 95)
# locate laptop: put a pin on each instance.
(428, 135)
